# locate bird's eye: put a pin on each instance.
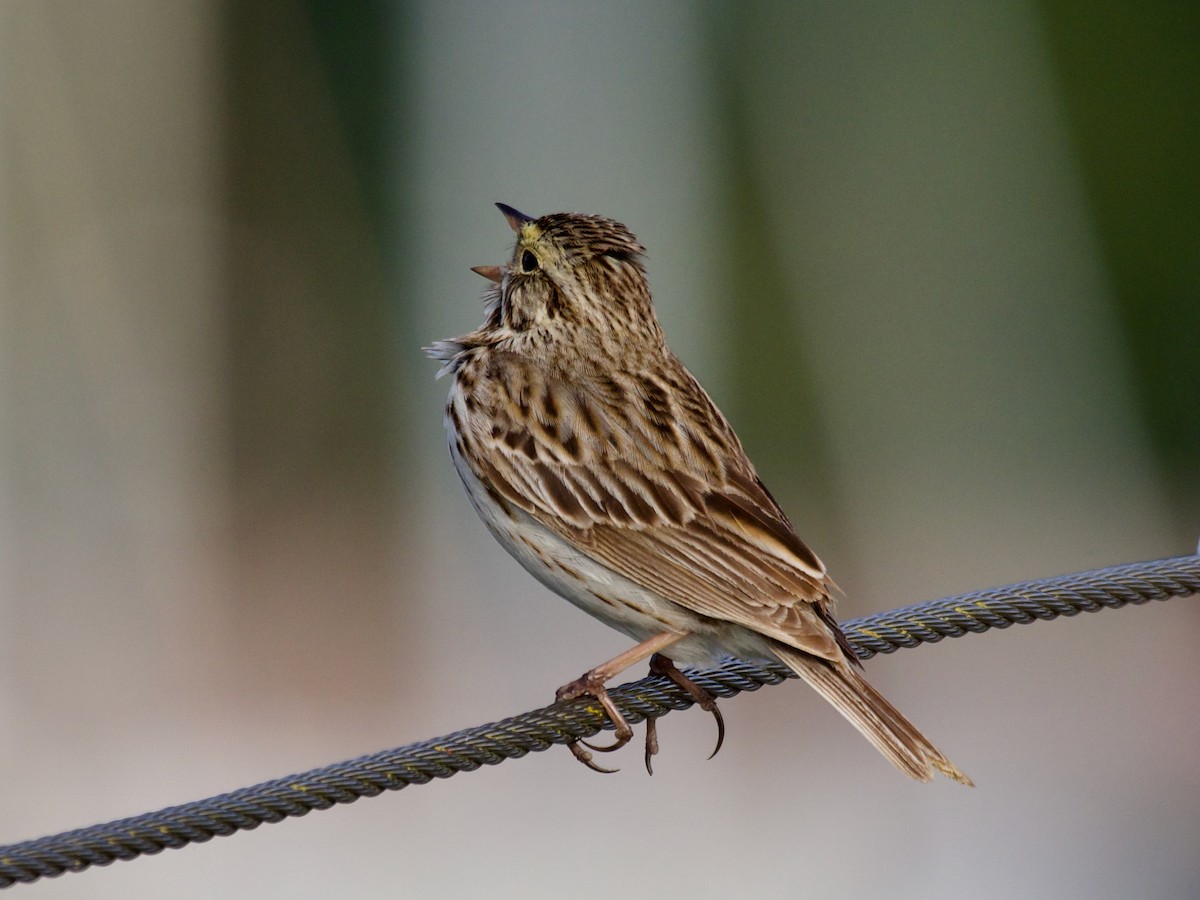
(529, 262)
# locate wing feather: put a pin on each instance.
(621, 482)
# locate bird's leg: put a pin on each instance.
(660, 665)
(592, 684)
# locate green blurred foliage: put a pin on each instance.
(773, 403)
(308, 118)
(1130, 83)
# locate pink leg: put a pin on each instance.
(592, 683)
(660, 665)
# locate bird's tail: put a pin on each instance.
(866, 709)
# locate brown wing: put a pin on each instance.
(646, 476)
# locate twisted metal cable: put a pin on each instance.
(467, 750)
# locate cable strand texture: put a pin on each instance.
(654, 696)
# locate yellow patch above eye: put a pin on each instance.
(536, 242)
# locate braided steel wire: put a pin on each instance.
(487, 745)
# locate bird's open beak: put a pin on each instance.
(515, 218)
(491, 273)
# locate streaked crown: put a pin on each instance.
(572, 272)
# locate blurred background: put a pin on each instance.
(938, 263)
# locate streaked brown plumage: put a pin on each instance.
(600, 463)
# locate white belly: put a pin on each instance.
(599, 591)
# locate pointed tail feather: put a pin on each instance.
(866, 709)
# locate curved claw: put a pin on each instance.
(586, 758)
(617, 744)
(590, 685)
(652, 742)
(660, 665)
(720, 728)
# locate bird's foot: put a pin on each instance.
(660, 665)
(591, 684)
